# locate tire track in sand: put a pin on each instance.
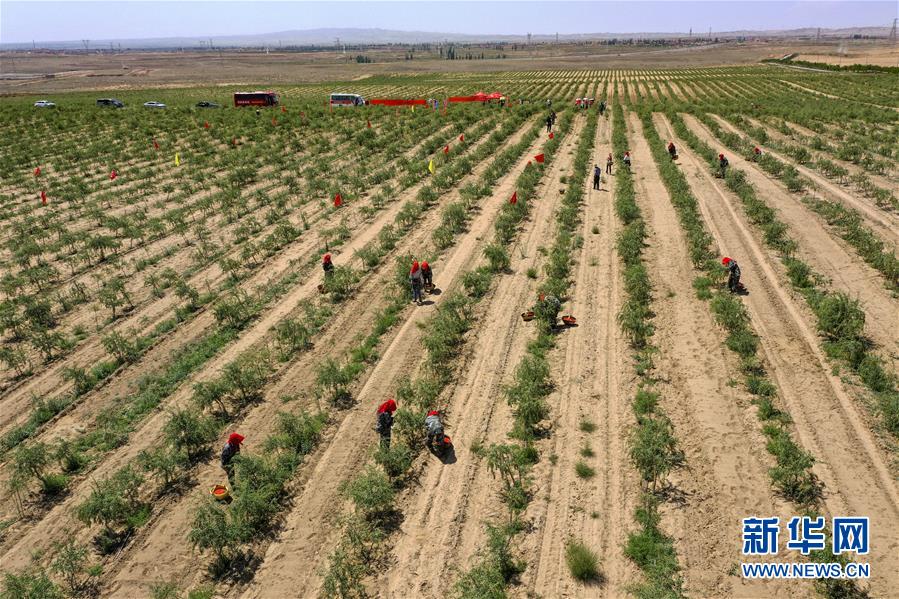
(858, 481)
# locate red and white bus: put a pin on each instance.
(341, 99)
(268, 98)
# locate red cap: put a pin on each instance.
(725, 261)
(720, 155)
(424, 265)
(387, 406)
(433, 413)
(414, 267)
(235, 439)
(326, 258)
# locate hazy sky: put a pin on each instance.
(24, 21)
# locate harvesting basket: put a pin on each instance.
(526, 316)
(220, 492)
(568, 319)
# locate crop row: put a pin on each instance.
(653, 446)
(792, 475)
(840, 319)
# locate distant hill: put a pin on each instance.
(327, 37)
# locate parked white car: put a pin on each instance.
(153, 104)
(44, 104)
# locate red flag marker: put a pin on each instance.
(113, 175)
(37, 172)
(206, 124)
(539, 158)
(155, 145)
(462, 137)
(514, 199)
(446, 149)
(552, 135)
(338, 201)
(43, 197)
(369, 124)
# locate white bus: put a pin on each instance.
(347, 100)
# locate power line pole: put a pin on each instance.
(893, 32)
(87, 44)
(818, 35)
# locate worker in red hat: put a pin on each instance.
(327, 265)
(733, 274)
(722, 165)
(416, 280)
(231, 449)
(385, 421)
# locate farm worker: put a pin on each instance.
(756, 151)
(426, 274)
(722, 165)
(385, 421)
(577, 102)
(548, 306)
(327, 265)
(672, 150)
(627, 160)
(232, 448)
(602, 107)
(434, 427)
(597, 176)
(609, 165)
(416, 280)
(552, 115)
(549, 123)
(733, 274)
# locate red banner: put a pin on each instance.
(397, 102)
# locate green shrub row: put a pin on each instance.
(371, 493)
(511, 462)
(792, 476)
(653, 447)
(840, 319)
(847, 222)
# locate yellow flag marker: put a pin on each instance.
(431, 166)
(177, 159)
